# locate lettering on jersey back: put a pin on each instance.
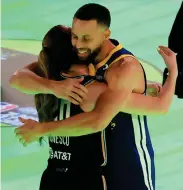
(54, 154)
(65, 108)
(59, 140)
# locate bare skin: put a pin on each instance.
(96, 88)
(119, 79)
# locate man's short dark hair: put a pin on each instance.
(93, 11)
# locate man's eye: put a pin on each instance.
(86, 40)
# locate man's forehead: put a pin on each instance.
(82, 34)
(84, 27)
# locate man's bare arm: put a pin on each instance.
(29, 80)
(148, 105)
(26, 80)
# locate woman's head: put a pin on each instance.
(57, 53)
(55, 57)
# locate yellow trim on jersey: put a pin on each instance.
(109, 56)
(92, 70)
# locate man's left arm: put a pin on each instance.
(107, 106)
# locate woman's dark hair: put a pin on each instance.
(56, 55)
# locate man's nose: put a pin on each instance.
(79, 44)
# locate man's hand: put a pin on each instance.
(29, 132)
(69, 89)
(170, 59)
(153, 89)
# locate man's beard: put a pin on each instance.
(91, 57)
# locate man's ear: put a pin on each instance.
(107, 34)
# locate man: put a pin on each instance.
(131, 166)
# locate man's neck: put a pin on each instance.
(107, 47)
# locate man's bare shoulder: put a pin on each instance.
(127, 64)
(130, 62)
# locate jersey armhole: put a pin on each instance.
(145, 78)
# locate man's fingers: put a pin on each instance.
(24, 144)
(17, 135)
(22, 119)
(161, 52)
(76, 97)
(17, 131)
(166, 50)
(81, 87)
(21, 140)
(79, 92)
(72, 100)
(157, 87)
(154, 86)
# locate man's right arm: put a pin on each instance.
(139, 103)
(148, 105)
(29, 81)
(26, 80)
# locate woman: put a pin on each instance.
(57, 56)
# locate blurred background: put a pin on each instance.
(140, 25)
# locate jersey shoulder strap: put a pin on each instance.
(115, 55)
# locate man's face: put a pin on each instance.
(87, 38)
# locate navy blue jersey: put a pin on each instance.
(130, 158)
